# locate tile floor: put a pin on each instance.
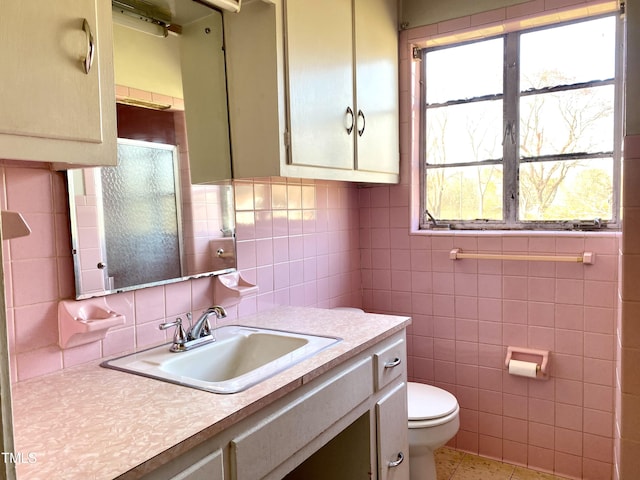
(455, 465)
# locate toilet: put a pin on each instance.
(434, 419)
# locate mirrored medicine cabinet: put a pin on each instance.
(165, 213)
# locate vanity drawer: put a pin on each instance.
(389, 362)
(258, 451)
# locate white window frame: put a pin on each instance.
(511, 160)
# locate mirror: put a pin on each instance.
(161, 215)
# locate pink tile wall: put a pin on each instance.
(466, 312)
(299, 241)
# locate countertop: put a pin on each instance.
(89, 422)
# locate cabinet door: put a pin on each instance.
(376, 34)
(320, 80)
(46, 93)
(392, 433)
(202, 61)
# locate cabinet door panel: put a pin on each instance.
(376, 34)
(45, 91)
(320, 75)
(391, 416)
(52, 110)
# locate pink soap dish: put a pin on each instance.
(230, 288)
(85, 321)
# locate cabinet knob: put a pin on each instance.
(399, 459)
(87, 61)
(220, 253)
(349, 112)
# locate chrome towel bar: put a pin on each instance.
(588, 258)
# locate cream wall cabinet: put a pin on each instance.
(313, 89)
(52, 109)
(277, 441)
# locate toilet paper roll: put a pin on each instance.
(523, 369)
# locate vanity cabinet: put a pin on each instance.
(55, 106)
(344, 425)
(313, 89)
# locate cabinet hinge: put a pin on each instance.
(287, 139)
(417, 53)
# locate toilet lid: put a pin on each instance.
(427, 402)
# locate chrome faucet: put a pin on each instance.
(197, 334)
(202, 327)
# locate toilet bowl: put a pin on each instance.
(433, 421)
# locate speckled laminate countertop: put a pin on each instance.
(88, 422)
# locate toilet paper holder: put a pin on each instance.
(530, 355)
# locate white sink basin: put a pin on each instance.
(239, 358)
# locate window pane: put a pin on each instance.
(465, 193)
(566, 190)
(575, 53)
(464, 133)
(465, 71)
(572, 121)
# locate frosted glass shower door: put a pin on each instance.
(141, 209)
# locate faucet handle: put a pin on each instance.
(179, 336)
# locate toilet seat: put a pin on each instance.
(430, 406)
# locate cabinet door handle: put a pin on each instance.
(364, 122)
(350, 127)
(397, 461)
(393, 363)
(87, 61)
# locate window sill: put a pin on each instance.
(518, 233)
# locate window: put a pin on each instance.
(523, 131)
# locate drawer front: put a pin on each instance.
(209, 468)
(390, 363)
(260, 450)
